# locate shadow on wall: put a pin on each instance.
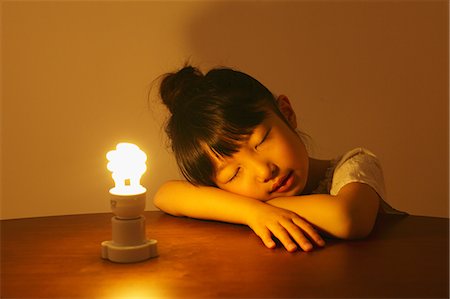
(336, 61)
(357, 74)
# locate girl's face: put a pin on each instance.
(273, 162)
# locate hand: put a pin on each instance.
(286, 226)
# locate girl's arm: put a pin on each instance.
(180, 198)
(348, 215)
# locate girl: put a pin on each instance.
(245, 162)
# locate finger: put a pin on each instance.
(281, 234)
(309, 230)
(297, 234)
(266, 237)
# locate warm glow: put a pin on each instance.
(127, 164)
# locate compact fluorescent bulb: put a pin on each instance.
(129, 243)
(127, 164)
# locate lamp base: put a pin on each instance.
(129, 244)
(129, 254)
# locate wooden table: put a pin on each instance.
(59, 257)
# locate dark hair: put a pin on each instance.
(211, 113)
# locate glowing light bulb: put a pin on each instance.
(129, 242)
(127, 164)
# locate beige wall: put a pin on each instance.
(75, 77)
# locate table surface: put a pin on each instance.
(59, 257)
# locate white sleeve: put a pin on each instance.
(362, 166)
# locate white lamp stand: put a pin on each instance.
(129, 243)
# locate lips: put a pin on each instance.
(283, 184)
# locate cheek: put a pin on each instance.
(296, 143)
(291, 153)
(287, 150)
(242, 190)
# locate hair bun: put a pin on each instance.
(177, 88)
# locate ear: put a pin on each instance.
(286, 109)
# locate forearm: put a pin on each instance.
(351, 214)
(180, 198)
(320, 210)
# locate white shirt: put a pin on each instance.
(358, 165)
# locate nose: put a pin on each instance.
(264, 170)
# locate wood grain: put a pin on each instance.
(59, 257)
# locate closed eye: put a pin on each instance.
(235, 175)
(264, 138)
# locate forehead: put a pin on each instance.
(217, 153)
